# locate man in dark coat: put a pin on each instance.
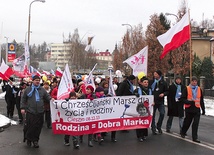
(126, 87)
(20, 91)
(32, 104)
(175, 106)
(159, 90)
(10, 96)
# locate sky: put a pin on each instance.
(102, 19)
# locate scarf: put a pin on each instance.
(154, 83)
(141, 93)
(178, 91)
(36, 92)
(194, 91)
(131, 87)
(98, 95)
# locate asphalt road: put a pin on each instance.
(166, 144)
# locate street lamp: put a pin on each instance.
(128, 25)
(6, 54)
(43, 1)
(131, 47)
(171, 14)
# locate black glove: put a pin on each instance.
(67, 99)
(203, 112)
(137, 95)
(192, 102)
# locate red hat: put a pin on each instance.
(90, 87)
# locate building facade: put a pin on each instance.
(203, 42)
(104, 60)
(61, 54)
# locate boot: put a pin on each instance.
(100, 139)
(35, 144)
(75, 144)
(29, 143)
(90, 144)
(113, 135)
(81, 138)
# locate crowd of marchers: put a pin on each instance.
(32, 101)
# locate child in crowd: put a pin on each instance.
(72, 96)
(89, 94)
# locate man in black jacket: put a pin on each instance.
(10, 96)
(159, 90)
(126, 87)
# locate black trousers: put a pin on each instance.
(48, 118)
(141, 132)
(193, 118)
(19, 111)
(10, 106)
(33, 126)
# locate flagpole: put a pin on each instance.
(190, 43)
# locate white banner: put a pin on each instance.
(83, 116)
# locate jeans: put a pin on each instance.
(161, 110)
(169, 123)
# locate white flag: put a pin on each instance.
(111, 87)
(27, 55)
(90, 79)
(88, 46)
(139, 61)
(66, 84)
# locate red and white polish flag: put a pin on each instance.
(58, 72)
(5, 71)
(175, 36)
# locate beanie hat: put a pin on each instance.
(90, 87)
(131, 77)
(159, 72)
(99, 89)
(177, 77)
(36, 77)
(143, 78)
(194, 78)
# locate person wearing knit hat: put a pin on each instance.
(90, 87)
(158, 72)
(193, 99)
(142, 89)
(35, 77)
(99, 92)
(126, 87)
(32, 104)
(159, 90)
(88, 95)
(99, 89)
(175, 106)
(131, 77)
